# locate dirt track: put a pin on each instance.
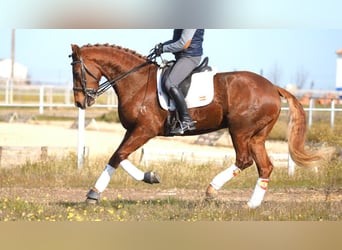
(103, 138)
(48, 195)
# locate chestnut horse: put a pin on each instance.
(245, 103)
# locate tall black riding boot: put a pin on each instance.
(186, 123)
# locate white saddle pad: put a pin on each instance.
(201, 91)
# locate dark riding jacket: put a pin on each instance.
(179, 45)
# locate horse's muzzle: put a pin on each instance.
(80, 105)
(86, 102)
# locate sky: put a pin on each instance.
(171, 14)
(274, 53)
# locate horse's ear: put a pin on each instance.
(75, 49)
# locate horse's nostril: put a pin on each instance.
(79, 105)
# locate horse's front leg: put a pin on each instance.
(131, 142)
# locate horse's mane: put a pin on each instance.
(107, 45)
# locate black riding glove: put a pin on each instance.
(158, 49)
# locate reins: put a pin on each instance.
(103, 87)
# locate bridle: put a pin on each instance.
(89, 92)
(103, 87)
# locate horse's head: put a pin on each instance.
(86, 78)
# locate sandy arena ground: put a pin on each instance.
(102, 139)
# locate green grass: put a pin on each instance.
(168, 209)
(62, 173)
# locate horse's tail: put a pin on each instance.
(297, 133)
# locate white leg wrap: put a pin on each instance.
(258, 194)
(132, 170)
(223, 177)
(103, 181)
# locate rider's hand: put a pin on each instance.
(158, 49)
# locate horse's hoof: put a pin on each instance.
(92, 197)
(250, 205)
(151, 177)
(91, 201)
(211, 193)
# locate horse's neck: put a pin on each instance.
(117, 65)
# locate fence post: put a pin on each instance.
(41, 99)
(0, 154)
(81, 144)
(7, 92)
(291, 166)
(44, 153)
(50, 96)
(310, 111)
(332, 114)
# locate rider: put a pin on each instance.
(186, 45)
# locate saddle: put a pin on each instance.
(185, 84)
(197, 89)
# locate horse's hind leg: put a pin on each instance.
(243, 160)
(264, 166)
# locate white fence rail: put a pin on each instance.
(45, 96)
(50, 96)
(311, 109)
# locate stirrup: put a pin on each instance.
(183, 127)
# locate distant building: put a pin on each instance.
(20, 71)
(322, 97)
